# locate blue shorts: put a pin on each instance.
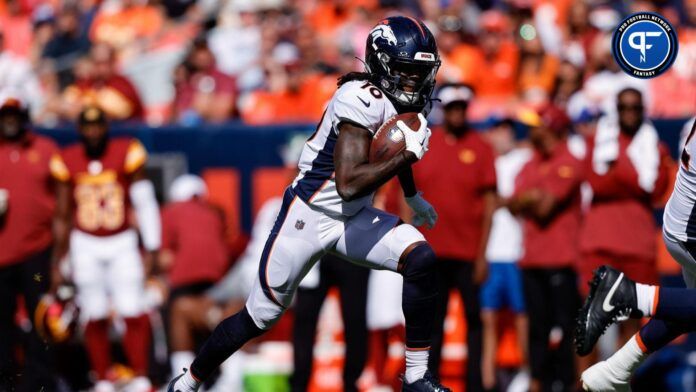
(503, 288)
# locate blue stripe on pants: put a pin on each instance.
(288, 199)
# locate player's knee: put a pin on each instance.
(266, 317)
(128, 304)
(418, 263)
(238, 328)
(262, 310)
(94, 305)
(129, 310)
(94, 312)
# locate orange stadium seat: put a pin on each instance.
(224, 191)
(266, 183)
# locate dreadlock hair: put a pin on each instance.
(351, 76)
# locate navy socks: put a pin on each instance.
(658, 333)
(675, 304)
(675, 314)
(229, 336)
(419, 296)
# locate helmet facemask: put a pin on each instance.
(408, 82)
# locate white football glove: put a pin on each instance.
(416, 140)
(423, 212)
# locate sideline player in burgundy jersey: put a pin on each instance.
(102, 180)
(328, 208)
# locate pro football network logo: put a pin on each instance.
(645, 45)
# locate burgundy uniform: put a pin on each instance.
(100, 186)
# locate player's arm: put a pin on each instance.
(546, 206)
(423, 212)
(142, 196)
(490, 203)
(62, 218)
(543, 204)
(355, 176)
(517, 204)
(535, 204)
(408, 183)
(62, 224)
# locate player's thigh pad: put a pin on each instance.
(296, 242)
(683, 255)
(375, 239)
(89, 276)
(126, 276)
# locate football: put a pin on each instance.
(388, 140)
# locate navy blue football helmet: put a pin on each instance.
(402, 59)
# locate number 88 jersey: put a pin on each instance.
(100, 186)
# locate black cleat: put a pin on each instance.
(426, 384)
(612, 298)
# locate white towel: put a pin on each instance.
(643, 151)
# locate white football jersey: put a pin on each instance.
(680, 212)
(505, 240)
(357, 102)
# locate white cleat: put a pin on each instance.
(601, 377)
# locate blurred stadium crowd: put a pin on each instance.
(188, 62)
(273, 62)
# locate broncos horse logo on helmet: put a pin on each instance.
(402, 59)
(383, 32)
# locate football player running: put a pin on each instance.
(100, 180)
(614, 297)
(327, 208)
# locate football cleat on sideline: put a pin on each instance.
(612, 298)
(601, 377)
(426, 384)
